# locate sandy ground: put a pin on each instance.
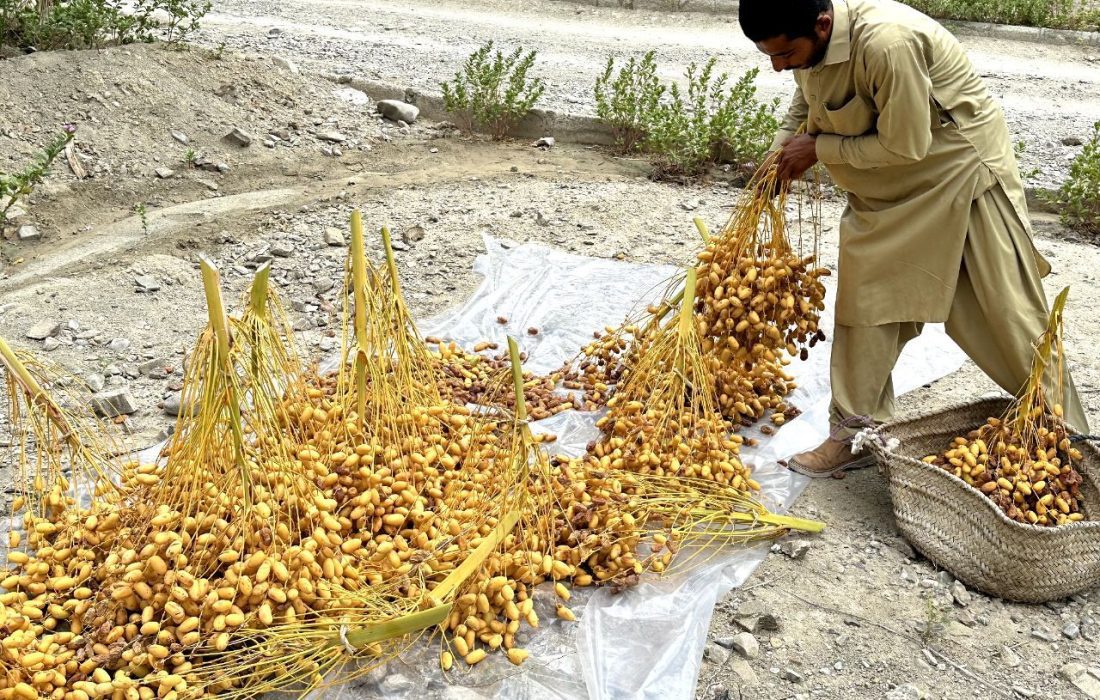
(855, 614)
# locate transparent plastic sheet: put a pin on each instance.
(646, 642)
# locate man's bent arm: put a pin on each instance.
(902, 92)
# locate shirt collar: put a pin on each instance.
(840, 43)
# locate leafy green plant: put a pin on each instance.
(18, 185)
(1060, 14)
(189, 157)
(76, 24)
(93, 24)
(685, 133)
(139, 209)
(493, 92)
(1079, 196)
(679, 138)
(742, 127)
(183, 16)
(1019, 148)
(711, 123)
(630, 101)
(932, 626)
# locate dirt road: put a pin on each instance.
(418, 43)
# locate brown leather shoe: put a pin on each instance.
(828, 458)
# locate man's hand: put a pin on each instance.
(799, 154)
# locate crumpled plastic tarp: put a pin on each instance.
(646, 642)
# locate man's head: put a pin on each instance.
(794, 33)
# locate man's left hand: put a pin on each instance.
(798, 155)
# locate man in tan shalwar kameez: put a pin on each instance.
(936, 228)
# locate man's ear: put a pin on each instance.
(824, 26)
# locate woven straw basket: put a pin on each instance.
(961, 530)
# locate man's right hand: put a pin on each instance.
(798, 155)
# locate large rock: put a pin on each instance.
(147, 283)
(746, 645)
(743, 671)
(716, 654)
(334, 237)
(753, 617)
(396, 110)
(795, 549)
(173, 405)
(906, 692)
(155, 366)
(239, 137)
(1044, 635)
(113, 402)
(413, 234)
(286, 64)
(1079, 676)
(43, 330)
(95, 381)
(28, 232)
(960, 594)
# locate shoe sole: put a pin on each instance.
(861, 463)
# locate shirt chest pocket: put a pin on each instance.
(855, 118)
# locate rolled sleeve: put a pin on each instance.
(828, 148)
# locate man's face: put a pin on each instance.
(803, 52)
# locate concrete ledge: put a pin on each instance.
(1041, 199)
(576, 128)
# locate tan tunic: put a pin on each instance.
(906, 127)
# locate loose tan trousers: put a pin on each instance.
(998, 313)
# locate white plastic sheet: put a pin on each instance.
(646, 642)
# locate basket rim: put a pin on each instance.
(879, 445)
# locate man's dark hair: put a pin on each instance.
(768, 19)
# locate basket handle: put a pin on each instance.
(1084, 438)
(869, 436)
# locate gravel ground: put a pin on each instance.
(854, 614)
(401, 42)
